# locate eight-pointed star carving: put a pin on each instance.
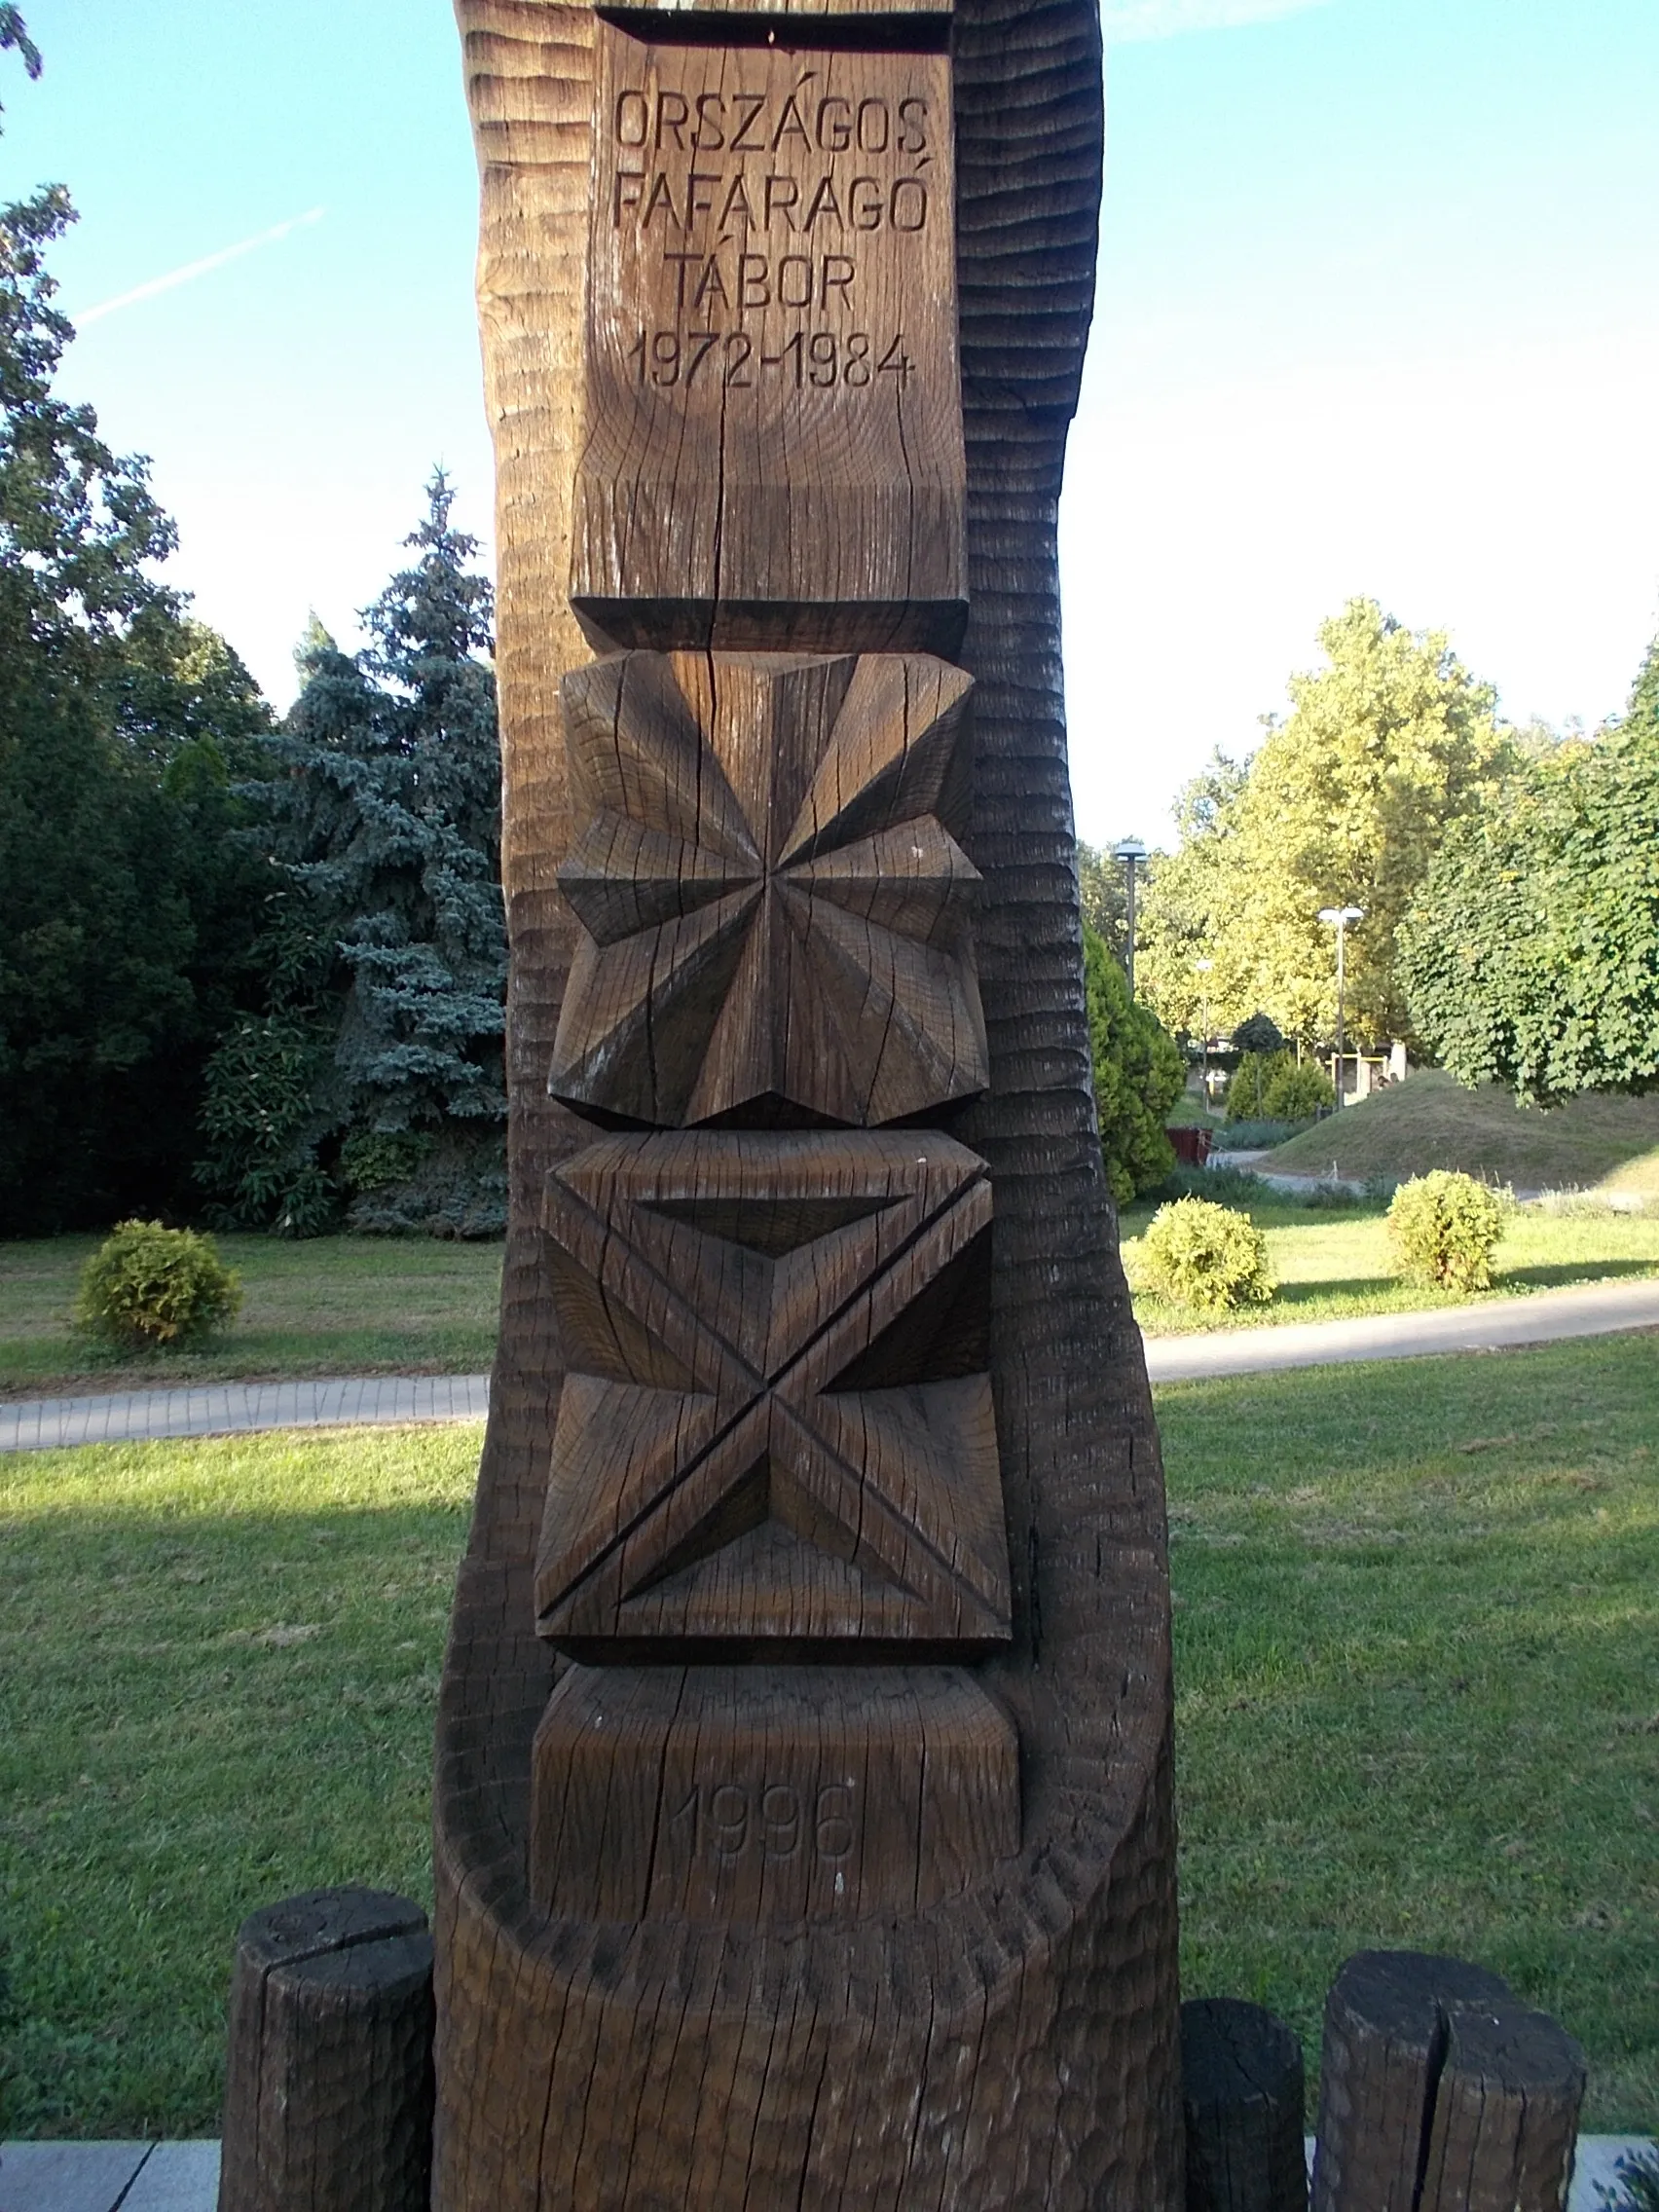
(774, 908)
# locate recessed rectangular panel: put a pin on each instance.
(785, 1795)
(772, 448)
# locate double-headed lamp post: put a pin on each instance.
(1132, 852)
(1339, 918)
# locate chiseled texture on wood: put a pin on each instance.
(780, 1795)
(328, 2083)
(1387, 2024)
(1506, 2113)
(1023, 2035)
(777, 1425)
(774, 905)
(1241, 2080)
(773, 444)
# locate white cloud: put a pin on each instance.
(1127, 20)
(194, 268)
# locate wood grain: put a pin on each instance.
(1506, 2113)
(1385, 2045)
(328, 2084)
(776, 1428)
(1023, 2033)
(1242, 2087)
(772, 452)
(775, 910)
(777, 1797)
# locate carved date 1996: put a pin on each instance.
(721, 1821)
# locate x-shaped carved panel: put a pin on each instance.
(774, 905)
(778, 1422)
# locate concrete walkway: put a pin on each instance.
(229, 1409)
(184, 2177)
(1588, 1309)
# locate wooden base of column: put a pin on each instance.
(769, 1796)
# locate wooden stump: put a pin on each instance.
(328, 2087)
(1242, 2083)
(1441, 2092)
(1506, 2114)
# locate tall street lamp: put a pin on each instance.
(1204, 968)
(1132, 852)
(1339, 918)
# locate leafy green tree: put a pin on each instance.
(124, 896)
(1531, 954)
(387, 1014)
(1138, 1075)
(1345, 802)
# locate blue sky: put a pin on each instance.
(1379, 312)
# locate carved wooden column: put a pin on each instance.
(803, 1831)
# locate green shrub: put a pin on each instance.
(1196, 1253)
(1444, 1228)
(1296, 1091)
(374, 1160)
(1250, 1080)
(147, 1286)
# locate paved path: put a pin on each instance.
(228, 1409)
(1588, 1309)
(184, 2177)
(225, 1409)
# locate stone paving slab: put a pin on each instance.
(67, 2177)
(184, 2177)
(229, 1409)
(176, 2177)
(1547, 1316)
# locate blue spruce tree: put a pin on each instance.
(375, 1080)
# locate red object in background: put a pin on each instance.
(1191, 1146)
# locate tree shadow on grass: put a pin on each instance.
(1565, 1272)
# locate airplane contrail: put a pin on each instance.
(195, 269)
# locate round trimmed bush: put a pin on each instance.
(1196, 1253)
(1444, 1228)
(147, 1286)
(1297, 1090)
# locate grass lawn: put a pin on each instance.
(1418, 1609)
(1336, 1265)
(1430, 1122)
(330, 1306)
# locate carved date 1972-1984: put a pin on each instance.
(676, 358)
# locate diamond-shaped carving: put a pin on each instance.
(774, 905)
(778, 1425)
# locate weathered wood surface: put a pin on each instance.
(781, 1797)
(1241, 2082)
(1022, 2033)
(1439, 2092)
(777, 1425)
(1506, 2113)
(774, 905)
(773, 444)
(328, 2086)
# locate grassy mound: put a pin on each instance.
(1432, 1122)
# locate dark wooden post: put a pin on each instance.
(1441, 2092)
(328, 2087)
(1505, 2114)
(1241, 2080)
(803, 1829)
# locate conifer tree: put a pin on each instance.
(378, 1070)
